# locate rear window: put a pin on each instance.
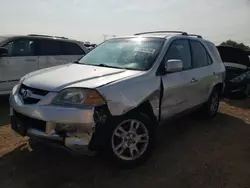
(48, 47)
(69, 48)
(56, 47)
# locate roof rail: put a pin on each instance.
(152, 32)
(194, 35)
(36, 35)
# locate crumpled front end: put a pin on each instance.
(36, 117)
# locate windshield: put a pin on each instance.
(129, 53)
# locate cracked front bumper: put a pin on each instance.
(42, 120)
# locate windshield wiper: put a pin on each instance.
(99, 65)
(105, 65)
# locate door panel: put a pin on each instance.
(177, 86)
(176, 93)
(13, 68)
(199, 89)
(203, 71)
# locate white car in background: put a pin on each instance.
(20, 55)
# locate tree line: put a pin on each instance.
(236, 45)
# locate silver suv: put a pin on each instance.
(114, 98)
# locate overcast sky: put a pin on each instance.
(216, 20)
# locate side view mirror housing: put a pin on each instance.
(173, 65)
(3, 52)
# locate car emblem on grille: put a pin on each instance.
(25, 93)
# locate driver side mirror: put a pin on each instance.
(173, 65)
(3, 52)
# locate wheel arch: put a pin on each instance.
(147, 108)
(219, 86)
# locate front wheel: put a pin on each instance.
(131, 140)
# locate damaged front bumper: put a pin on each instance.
(71, 127)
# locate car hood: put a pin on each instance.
(75, 75)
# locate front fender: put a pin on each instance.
(128, 94)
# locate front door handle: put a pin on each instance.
(194, 80)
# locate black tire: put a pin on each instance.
(149, 125)
(210, 108)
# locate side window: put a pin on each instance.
(69, 48)
(20, 47)
(199, 54)
(214, 50)
(180, 49)
(48, 47)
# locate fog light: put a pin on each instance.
(65, 127)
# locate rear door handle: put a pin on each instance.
(194, 80)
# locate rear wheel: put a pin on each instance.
(210, 108)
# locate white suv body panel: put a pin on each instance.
(51, 61)
(12, 69)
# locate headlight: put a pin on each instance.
(78, 97)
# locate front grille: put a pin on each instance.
(31, 122)
(34, 91)
(31, 99)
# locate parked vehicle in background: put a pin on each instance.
(114, 98)
(90, 46)
(248, 52)
(20, 55)
(237, 71)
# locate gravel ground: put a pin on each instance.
(189, 153)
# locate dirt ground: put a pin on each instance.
(189, 153)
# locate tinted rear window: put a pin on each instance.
(69, 48)
(56, 47)
(48, 47)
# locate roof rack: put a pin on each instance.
(36, 35)
(194, 35)
(155, 32)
